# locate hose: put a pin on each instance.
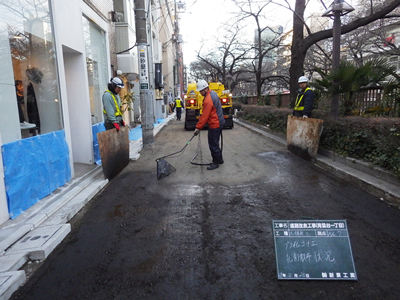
(198, 150)
(180, 151)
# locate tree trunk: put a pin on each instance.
(298, 51)
(300, 45)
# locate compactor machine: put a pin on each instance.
(194, 104)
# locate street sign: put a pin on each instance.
(143, 68)
(313, 250)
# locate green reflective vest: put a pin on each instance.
(117, 111)
(298, 101)
(178, 102)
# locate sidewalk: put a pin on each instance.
(37, 231)
(372, 179)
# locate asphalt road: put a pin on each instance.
(200, 234)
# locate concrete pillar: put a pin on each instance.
(4, 216)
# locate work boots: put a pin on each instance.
(213, 166)
(217, 160)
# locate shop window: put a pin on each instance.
(96, 63)
(33, 65)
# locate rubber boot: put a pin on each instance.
(220, 160)
(213, 166)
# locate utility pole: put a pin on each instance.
(337, 9)
(146, 101)
(336, 57)
(179, 86)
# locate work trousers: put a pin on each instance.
(178, 113)
(213, 144)
(299, 113)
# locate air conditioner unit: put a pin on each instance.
(117, 16)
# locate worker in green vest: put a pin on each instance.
(179, 106)
(112, 105)
(304, 100)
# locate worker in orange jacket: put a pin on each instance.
(213, 115)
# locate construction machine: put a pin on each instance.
(194, 104)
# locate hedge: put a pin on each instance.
(374, 140)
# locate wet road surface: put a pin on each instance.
(200, 234)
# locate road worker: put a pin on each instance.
(178, 106)
(213, 115)
(304, 100)
(112, 105)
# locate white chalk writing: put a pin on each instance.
(310, 257)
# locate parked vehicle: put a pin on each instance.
(194, 104)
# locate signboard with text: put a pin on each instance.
(143, 69)
(313, 250)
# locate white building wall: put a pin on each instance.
(167, 50)
(3, 198)
(70, 47)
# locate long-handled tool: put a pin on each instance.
(199, 150)
(164, 169)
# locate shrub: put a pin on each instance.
(243, 99)
(267, 99)
(374, 140)
(275, 118)
(237, 106)
(279, 99)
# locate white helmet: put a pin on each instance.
(201, 85)
(303, 79)
(117, 81)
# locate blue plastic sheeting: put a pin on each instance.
(136, 133)
(34, 168)
(99, 127)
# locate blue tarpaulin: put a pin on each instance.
(99, 127)
(136, 133)
(33, 168)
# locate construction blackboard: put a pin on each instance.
(313, 250)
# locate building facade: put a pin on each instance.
(57, 59)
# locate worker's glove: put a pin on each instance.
(305, 117)
(196, 131)
(116, 126)
(123, 123)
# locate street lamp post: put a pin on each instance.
(337, 9)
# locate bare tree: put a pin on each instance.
(263, 63)
(377, 10)
(224, 61)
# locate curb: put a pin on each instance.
(34, 234)
(374, 180)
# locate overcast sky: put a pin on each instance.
(203, 18)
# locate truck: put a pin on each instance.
(194, 104)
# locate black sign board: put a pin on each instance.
(313, 250)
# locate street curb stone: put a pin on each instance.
(40, 242)
(50, 213)
(9, 282)
(376, 181)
